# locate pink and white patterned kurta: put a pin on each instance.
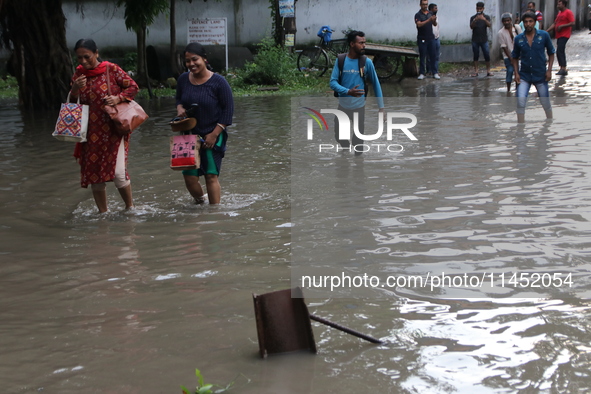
(98, 156)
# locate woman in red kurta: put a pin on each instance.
(103, 158)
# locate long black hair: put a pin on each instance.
(198, 50)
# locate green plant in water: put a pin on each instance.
(205, 388)
(202, 388)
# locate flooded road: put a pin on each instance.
(133, 302)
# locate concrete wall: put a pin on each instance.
(248, 22)
(381, 20)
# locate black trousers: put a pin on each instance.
(560, 51)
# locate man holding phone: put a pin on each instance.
(436, 43)
(480, 23)
(425, 20)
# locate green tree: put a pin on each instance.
(139, 14)
(34, 31)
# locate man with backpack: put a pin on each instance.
(352, 74)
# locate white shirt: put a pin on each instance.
(505, 39)
(436, 28)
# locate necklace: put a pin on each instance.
(201, 81)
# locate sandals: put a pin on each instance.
(474, 75)
(490, 74)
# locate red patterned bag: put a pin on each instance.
(72, 122)
(184, 152)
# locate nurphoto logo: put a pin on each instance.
(392, 124)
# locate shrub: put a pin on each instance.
(130, 61)
(272, 65)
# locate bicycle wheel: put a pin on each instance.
(313, 60)
(386, 66)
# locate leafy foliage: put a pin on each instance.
(272, 65)
(8, 87)
(205, 388)
(130, 61)
(141, 13)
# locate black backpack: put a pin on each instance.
(341, 64)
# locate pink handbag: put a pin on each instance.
(127, 115)
(184, 152)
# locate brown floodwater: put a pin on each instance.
(134, 302)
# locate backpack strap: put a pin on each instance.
(341, 63)
(362, 60)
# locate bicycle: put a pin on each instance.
(317, 59)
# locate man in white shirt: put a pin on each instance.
(506, 37)
(437, 43)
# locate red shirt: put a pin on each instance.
(563, 18)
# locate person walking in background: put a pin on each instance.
(531, 47)
(563, 27)
(480, 23)
(425, 20)
(103, 157)
(531, 7)
(437, 44)
(506, 37)
(539, 16)
(214, 111)
(356, 70)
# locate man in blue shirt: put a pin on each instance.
(529, 47)
(347, 82)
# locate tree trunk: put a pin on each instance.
(35, 32)
(173, 59)
(277, 24)
(143, 79)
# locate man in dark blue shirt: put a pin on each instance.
(425, 21)
(530, 47)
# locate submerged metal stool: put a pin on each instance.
(284, 323)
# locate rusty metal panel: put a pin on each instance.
(283, 322)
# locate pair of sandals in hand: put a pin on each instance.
(183, 124)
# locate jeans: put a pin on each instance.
(437, 52)
(523, 92)
(475, 49)
(426, 53)
(361, 124)
(510, 70)
(560, 51)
